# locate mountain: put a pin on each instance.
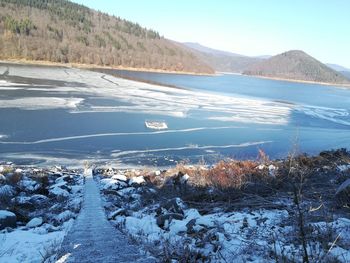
(62, 31)
(296, 65)
(223, 61)
(337, 67)
(204, 49)
(343, 70)
(346, 74)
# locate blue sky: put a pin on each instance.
(255, 27)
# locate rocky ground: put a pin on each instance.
(290, 210)
(37, 208)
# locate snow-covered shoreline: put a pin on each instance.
(44, 203)
(172, 218)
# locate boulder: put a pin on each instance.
(119, 212)
(59, 192)
(174, 205)
(35, 222)
(2, 178)
(39, 199)
(120, 177)
(168, 217)
(139, 180)
(190, 226)
(7, 219)
(343, 193)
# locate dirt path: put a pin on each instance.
(92, 238)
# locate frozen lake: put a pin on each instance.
(62, 115)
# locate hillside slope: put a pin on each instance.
(296, 65)
(62, 31)
(223, 61)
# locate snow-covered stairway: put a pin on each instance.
(92, 238)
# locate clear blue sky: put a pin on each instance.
(252, 27)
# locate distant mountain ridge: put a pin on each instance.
(296, 65)
(65, 32)
(223, 61)
(337, 67)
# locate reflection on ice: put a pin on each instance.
(146, 98)
(189, 147)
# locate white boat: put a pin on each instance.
(156, 125)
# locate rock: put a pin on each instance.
(39, 199)
(65, 216)
(7, 219)
(174, 205)
(112, 184)
(28, 185)
(119, 212)
(18, 171)
(184, 179)
(343, 193)
(261, 167)
(23, 203)
(2, 178)
(272, 170)
(168, 217)
(190, 226)
(35, 222)
(344, 168)
(59, 192)
(120, 177)
(139, 180)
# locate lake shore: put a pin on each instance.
(212, 208)
(161, 71)
(346, 86)
(92, 66)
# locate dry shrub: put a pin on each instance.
(7, 170)
(231, 174)
(14, 178)
(263, 157)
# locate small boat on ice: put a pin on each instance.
(156, 125)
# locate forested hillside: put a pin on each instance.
(62, 31)
(296, 65)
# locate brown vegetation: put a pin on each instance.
(64, 32)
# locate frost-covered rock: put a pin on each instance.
(7, 191)
(165, 220)
(35, 222)
(343, 168)
(18, 171)
(111, 184)
(174, 205)
(119, 212)
(139, 180)
(127, 191)
(184, 178)
(57, 191)
(272, 170)
(60, 183)
(28, 185)
(76, 189)
(2, 178)
(65, 216)
(120, 177)
(39, 199)
(343, 192)
(7, 219)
